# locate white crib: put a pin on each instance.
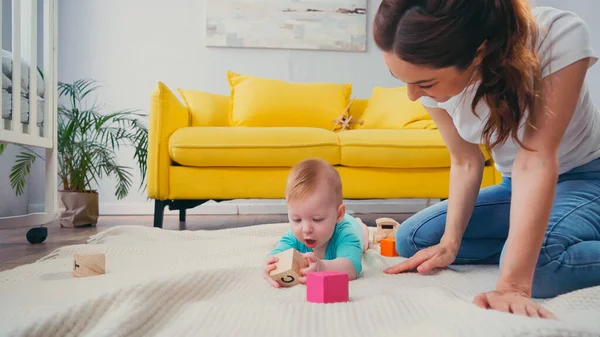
(23, 124)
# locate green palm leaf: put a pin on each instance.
(87, 140)
(19, 172)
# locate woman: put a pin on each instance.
(496, 72)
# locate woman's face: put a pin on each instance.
(438, 84)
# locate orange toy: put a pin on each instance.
(387, 247)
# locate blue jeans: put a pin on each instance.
(570, 254)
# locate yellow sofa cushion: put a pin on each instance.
(421, 125)
(206, 109)
(393, 149)
(252, 147)
(390, 108)
(357, 109)
(262, 102)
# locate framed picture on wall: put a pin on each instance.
(287, 24)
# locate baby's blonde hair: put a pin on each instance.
(307, 174)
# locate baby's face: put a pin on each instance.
(313, 219)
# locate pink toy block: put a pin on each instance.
(327, 287)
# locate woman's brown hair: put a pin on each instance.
(449, 33)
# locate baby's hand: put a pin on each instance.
(271, 265)
(314, 264)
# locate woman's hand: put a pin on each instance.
(313, 264)
(512, 301)
(425, 260)
(270, 265)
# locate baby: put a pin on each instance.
(329, 238)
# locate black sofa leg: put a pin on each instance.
(159, 211)
(182, 215)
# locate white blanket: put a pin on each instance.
(208, 283)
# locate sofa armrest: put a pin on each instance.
(167, 115)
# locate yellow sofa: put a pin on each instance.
(242, 145)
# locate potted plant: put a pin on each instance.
(87, 142)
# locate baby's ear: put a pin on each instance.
(341, 212)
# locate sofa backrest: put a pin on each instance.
(210, 109)
(264, 102)
(357, 109)
(206, 109)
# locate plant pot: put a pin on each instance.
(78, 209)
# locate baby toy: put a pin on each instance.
(387, 247)
(345, 122)
(327, 287)
(37, 234)
(288, 267)
(386, 228)
(85, 265)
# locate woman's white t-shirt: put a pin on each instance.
(568, 42)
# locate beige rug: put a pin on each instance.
(208, 283)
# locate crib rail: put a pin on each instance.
(24, 33)
(32, 131)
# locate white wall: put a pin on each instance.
(130, 45)
(129, 51)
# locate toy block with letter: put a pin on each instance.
(288, 267)
(92, 264)
(327, 287)
(387, 247)
(386, 228)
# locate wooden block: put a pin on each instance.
(327, 287)
(288, 268)
(377, 237)
(387, 247)
(92, 264)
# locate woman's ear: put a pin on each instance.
(341, 212)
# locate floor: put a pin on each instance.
(16, 251)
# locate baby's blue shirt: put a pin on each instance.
(346, 241)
